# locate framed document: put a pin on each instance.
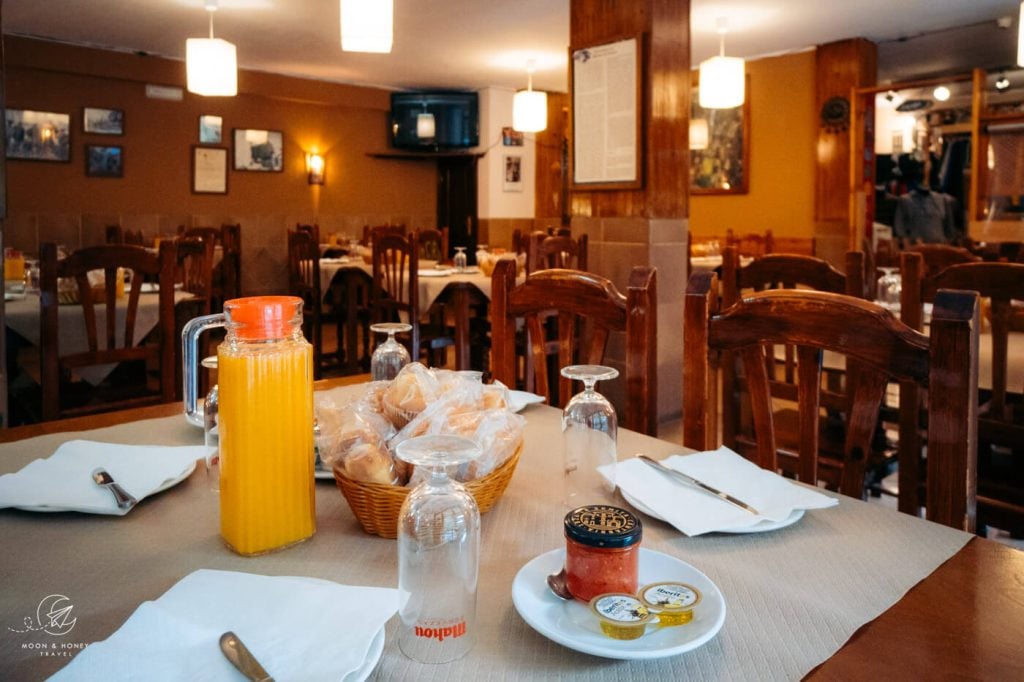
(209, 170)
(606, 91)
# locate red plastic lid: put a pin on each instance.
(261, 318)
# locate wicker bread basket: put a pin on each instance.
(377, 506)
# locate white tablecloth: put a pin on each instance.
(430, 287)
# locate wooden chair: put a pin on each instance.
(231, 262)
(588, 307)
(304, 282)
(350, 296)
(154, 382)
(1001, 406)
(782, 271)
(883, 349)
(751, 244)
(194, 271)
(941, 256)
(395, 294)
(556, 252)
(117, 235)
(433, 244)
(313, 230)
(369, 231)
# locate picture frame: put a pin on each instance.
(721, 162)
(104, 161)
(210, 127)
(510, 137)
(258, 150)
(607, 106)
(37, 135)
(99, 121)
(209, 170)
(513, 173)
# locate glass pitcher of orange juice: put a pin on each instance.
(265, 420)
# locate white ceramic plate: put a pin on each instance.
(372, 658)
(434, 272)
(762, 527)
(572, 625)
(518, 400)
(170, 483)
(11, 296)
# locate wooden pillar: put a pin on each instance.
(839, 67)
(645, 226)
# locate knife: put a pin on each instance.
(680, 476)
(242, 658)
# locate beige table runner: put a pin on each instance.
(793, 596)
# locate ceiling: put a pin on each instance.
(474, 44)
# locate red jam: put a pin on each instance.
(602, 551)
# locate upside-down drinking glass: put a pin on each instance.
(890, 286)
(460, 259)
(589, 429)
(390, 356)
(438, 553)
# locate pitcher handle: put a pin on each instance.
(190, 363)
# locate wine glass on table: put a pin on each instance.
(460, 259)
(438, 553)
(589, 431)
(390, 356)
(890, 286)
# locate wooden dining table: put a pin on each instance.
(856, 591)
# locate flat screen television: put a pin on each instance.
(456, 120)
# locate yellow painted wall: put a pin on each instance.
(783, 129)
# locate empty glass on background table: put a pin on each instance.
(390, 356)
(438, 553)
(460, 259)
(589, 431)
(890, 286)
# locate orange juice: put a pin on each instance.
(267, 497)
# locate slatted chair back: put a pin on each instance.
(433, 244)
(941, 256)
(231, 262)
(882, 347)
(751, 244)
(304, 282)
(588, 308)
(395, 291)
(562, 252)
(117, 341)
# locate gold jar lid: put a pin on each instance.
(621, 615)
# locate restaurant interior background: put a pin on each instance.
(61, 56)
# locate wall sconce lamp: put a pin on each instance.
(315, 168)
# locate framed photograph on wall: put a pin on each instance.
(719, 147)
(210, 129)
(104, 161)
(102, 121)
(38, 135)
(510, 137)
(209, 170)
(259, 150)
(513, 165)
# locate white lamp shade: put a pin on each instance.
(530, 111)
(367, 25)
(1020, 37)
(212, 67)
(698, 133)
(722, 84)
(425, 125)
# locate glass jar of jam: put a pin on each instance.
(602, 551)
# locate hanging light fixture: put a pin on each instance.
(529, 106)
(367, 25)
(425, 124)
(722, 83)
(211, 64)
(941, 93)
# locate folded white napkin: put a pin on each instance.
(63, 481)
(695, 511)
(297, 628)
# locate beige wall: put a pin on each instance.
(783, 129)
(56, 201)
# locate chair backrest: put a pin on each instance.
(115, 234)
(118, 345)
(556, 252)
(587, 303)
(883, 349)
(194, 264)
(369, 231)
(313, 230)
(751, 244)
(304, 282)
(231, 261)
(941, 256)
(433, 244)
(396, 282)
